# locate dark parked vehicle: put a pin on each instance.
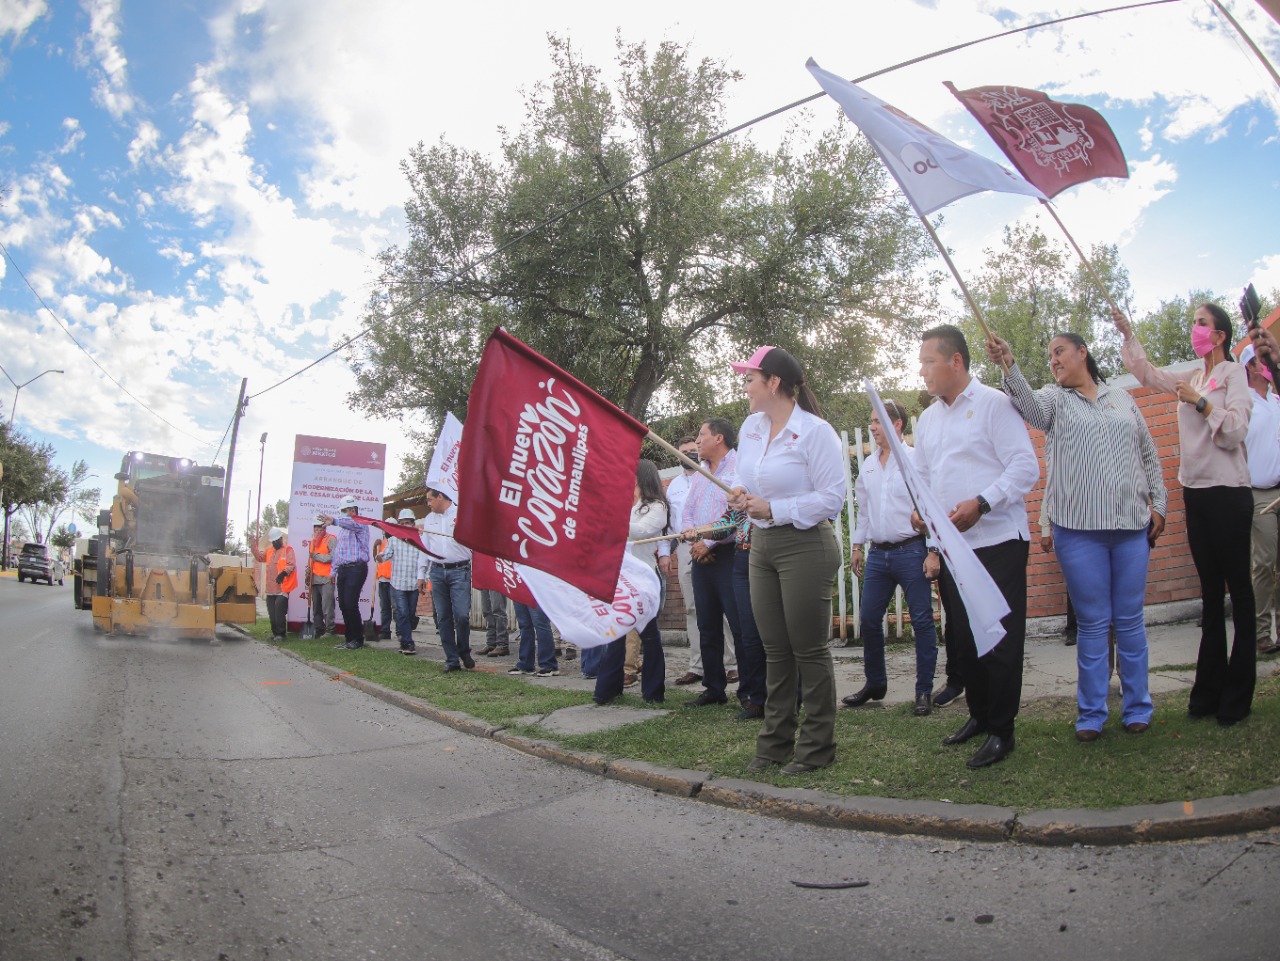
(38, 564)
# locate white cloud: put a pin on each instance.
(112, 88)
(74, 135)
(144, 144)
(1266, 275)
(17, 15)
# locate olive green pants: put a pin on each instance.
(792, 576)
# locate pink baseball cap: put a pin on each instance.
(753, 362)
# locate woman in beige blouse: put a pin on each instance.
(1213, 419)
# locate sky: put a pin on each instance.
(199, 190)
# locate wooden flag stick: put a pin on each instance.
(973, 304)
(675, 535)
(1080, 253)
(689, 463)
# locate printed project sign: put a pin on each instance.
(324, 471)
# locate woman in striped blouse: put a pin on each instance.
(1107, 502)
(1213, 420)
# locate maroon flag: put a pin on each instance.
(548, 469)
(404, 532)
(1054, 145)
(498, 574)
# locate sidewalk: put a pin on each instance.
(1049, 669)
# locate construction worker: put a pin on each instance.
(281, 577)
(320, 575)
(382, 573)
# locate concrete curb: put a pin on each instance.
(1145, 823)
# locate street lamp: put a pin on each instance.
(18, 387)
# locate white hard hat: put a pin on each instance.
(406, 514)
(389, 519)
(346, 502)
(275, 534)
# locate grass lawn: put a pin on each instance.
(888, 752)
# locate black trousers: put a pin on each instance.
(1219, 531)
(714, 598)
(993, 682)
(277, 613)
(350, 578)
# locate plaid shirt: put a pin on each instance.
(705, 501)
(353, 541)
(408, 564)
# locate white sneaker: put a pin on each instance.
(552, 673)
(516, 670)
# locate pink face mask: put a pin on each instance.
(1202, 340)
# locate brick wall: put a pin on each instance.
(1172, 576)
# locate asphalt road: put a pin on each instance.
(181, 800)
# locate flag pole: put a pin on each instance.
(688, 462)
(973, 304)
(1262, 58)
(1083, 259)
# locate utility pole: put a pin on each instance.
(231, 454)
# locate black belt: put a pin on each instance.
(897, 544)
(351, 564)
(453, 564)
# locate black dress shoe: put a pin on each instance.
(924, 705)
(751, 712)
(705, 698)
(450, 668)
(758, 764)
(468, 661)
(946, 694)
(995, 749)
(868, 693)
(799, 767)
(349, 647)
(971, 729)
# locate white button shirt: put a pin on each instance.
(1263, 442)
(450, 551)
(979, 445)
(801, 472)
(884, 505)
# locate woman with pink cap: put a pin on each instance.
(791, 474)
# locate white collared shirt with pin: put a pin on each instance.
(801, 472)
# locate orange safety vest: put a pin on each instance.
(281, 561)
(326, 544)
(383, 570)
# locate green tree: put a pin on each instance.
(1033, 287)
(63, 538)
(68, 494)
(29, 476)
(1166, 331)
(273, 515)
(644, 293)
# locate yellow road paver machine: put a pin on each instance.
(157, 565)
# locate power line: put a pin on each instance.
(85, 351)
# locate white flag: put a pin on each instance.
(931, 170)
(588, 622)
(442, 475)
(983, 601)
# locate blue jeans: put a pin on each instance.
(751, 665)
(653, 664)
(591, 659)
(404, 604)
(535, 635)
(713, 596)
(1106, 575)
(451, 598)
(886, 570)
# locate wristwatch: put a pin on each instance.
(1201, 404)
(983, 506)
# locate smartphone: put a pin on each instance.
(1250, 307)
